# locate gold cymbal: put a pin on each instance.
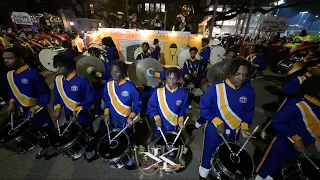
(141, 71)
(217, 72)
(132, 73)
(295, 67)
(79, 57)
(89, 61)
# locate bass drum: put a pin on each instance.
(118, 153)
(226, 166)
(217, 54)
(183, 55)
(139, 51)
(46, 57)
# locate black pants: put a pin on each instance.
(89, 136)
(44, 130)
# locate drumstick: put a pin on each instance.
(28, 118)
(185, 122)
(71, 122)
(225, 141)
(307, 157)
(135, 118)
(164, 138)
(58, 126)
(11, 120)
(108, 133)
(254, 131)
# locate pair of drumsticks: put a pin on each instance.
(65, 130)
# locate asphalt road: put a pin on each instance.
(25, 166)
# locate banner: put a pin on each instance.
(22, 18)
(274, 24)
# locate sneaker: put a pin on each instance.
(190, 107)
(77, 156)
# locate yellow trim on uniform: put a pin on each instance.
(301, 79)
(106, 111)
(78, 108)
(157, 74)
(312, 100)
(121, 82)
(308, 74)
(99, 74)
(295, 138)
(181, 119)
(71, 75)
(57, 106)
(11, 100)
(22, 98)
(310, 119)
(230, 84)
(171, 90)
(192, 60)
(37, 107)
(244, 126)
(157, 117)
(132, 115)
(204, 137)
(266, 154)
(170, 116)
(21, 69)
(72, 105)
(217, 121)
(226, 112)
(120, 108)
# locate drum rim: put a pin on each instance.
(122, 154)
(225, 170)
(69, 144)
(171, 133)
(16, 139)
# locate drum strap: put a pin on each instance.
(22, 98)
(193, 70)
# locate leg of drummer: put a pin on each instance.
(277, 153)
(98, 95)
(211, 141)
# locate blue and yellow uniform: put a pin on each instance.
(71, 52)
(168, 106)
(257, 62)
(156, 53)
(112, 53)
(291, 87)
(224, 103)
(142, 56)
(191, 71)
(74, 93)
(205, 57)
(298, 119)
(29, 89)
(121, 101)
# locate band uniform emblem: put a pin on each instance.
(24, 81)
(243, 99)
(74, 88)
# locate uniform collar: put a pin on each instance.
(229, 83)
(171, 90)
(193, 60)
(308, 74)
(157, 45)
(121, 82)
(21, 69)
(71, 75)
(312, 100)
(205, 47)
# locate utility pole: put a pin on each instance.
(249, 19)
(213, 19)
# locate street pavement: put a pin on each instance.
(25, 166)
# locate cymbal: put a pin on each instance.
(295, 67)
(133, 75)
(79, 57)
(217, 72)
(89, 61)
(142, 68)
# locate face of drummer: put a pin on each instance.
(145, 48)
(240, 77)
(172, 81)
(116, 73)
(11, 60)
(193, 54)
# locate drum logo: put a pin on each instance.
(24, 81)
(125, 93)
(243, 99)
(74, 88)
(178, 103)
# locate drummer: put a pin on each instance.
(156, 51)
(145, 52)
(168, 105)
(227, 105)
(73, 92)
(256, 59)
(111, 49)
(29, 91)
(298, 120)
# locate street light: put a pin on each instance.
(302, 13)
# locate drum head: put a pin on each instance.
(68, 137)
(139, 51)
(197, 92)
(114, 150)
(243, 169)
(308, 169)
(5, 136)
(46, 58)
(183, 55)
(217, 54)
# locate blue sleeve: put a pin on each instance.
(156, 52)
(184, 70)
(184, 106)
(106, 98)
(87, 91)
(43, 90)
(259, 61)
(281, 120)
(208, 106)
(136, 107)
(291, 87)
(153, 105)
(57, 97)
(248, 113)
(205, 56)
(112, 53)
(106, 74)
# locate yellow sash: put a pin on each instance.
(120, 108)
(310, 120)
(70, 104)
(171, 117)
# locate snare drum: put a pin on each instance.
(118, 153)
(21, 140)
(73, 141)
(178, 156)
(226, 166)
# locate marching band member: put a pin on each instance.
(156, 51)
(73, 92)
(67, 45)
(227, 105)
(29, 91)
(111, 49)
(168, 105)
(298, 119)
(256, 60)
(145, 53)
(205, 53)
